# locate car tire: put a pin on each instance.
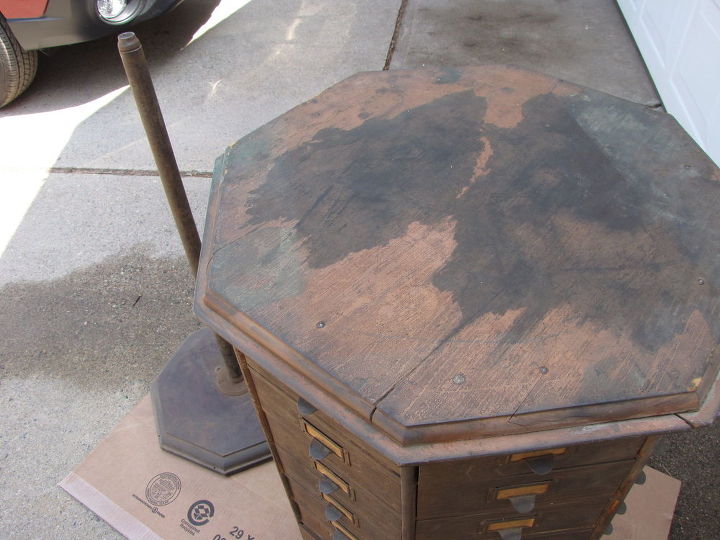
(17, 66)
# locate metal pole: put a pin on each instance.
(138, 74)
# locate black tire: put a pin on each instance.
(17, 66)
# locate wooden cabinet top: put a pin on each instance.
(466, 252)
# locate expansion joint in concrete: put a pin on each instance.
(125, 172)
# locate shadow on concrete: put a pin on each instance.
(78, 353)
(106, 326)
(261, 60)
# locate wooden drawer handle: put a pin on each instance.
(305, 407)
(326, 441)
(336, 509)
(327, 474)
(341, 533)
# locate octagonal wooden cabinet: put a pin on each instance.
(466, 301)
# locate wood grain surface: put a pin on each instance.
(483, 246)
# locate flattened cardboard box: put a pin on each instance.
(146, 493)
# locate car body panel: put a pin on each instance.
(13, 9)
(73, 21)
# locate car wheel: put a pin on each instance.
(17, 66)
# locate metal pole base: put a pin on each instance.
(199, 422)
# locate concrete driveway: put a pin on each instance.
(95, 292)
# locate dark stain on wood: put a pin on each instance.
(636, 270)
(554, 245)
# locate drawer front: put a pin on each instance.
(355, 467)
(462, 493)
(354, 497)
(539, 462)
(313, 512)
(566, 520)
(281, 400)
(584, 534)
(310, 440)
(308, 532)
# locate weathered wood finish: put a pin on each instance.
(509, 465)
(609, 511)
(242, 362)
(457, 278)
(456, 273)
(409, 485)
(449, 496)
(575, 516)
(454, 499)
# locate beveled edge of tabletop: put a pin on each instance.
(358, 415)
(481, 436)
(355, 419)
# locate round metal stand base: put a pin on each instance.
(196, 420)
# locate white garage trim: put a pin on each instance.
(680, 43)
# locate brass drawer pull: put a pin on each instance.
(326, 441)
(539, 461)
(332, 477)
(510, 534)
(305, 407)
(542, 464)
(512, 529)
(341, 533)
(332, 513)
(537, 453)
(529, 489)
(327, 486)
(318, 450)
(523, 504)
(511, 524)
(336, 509)
(522, 498)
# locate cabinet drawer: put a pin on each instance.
(354, 497)
(312, 529)
(298, 436)
(281, 400)
(358, 469)
(461, 492)
(313, 510)
(558, 520)
(539, 462)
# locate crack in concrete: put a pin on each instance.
(125, 172)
